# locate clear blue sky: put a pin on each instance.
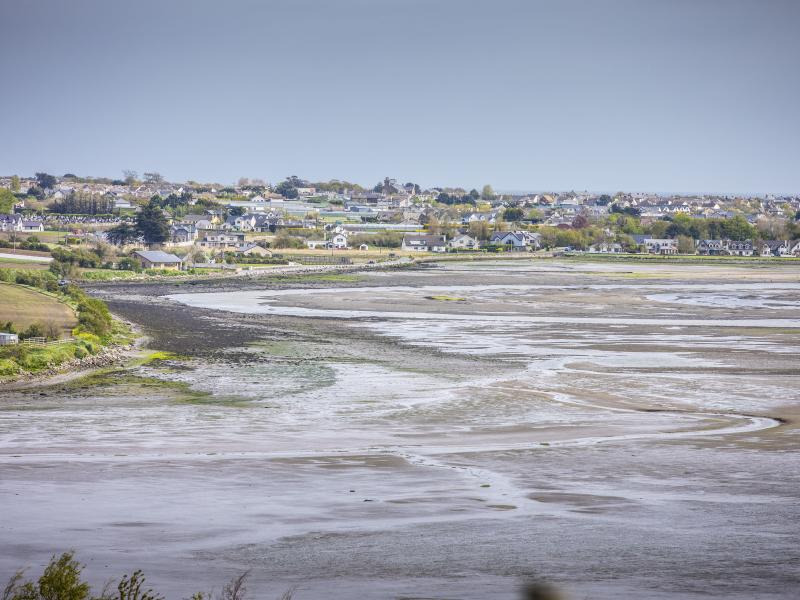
(650, 95)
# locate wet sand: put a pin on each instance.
(624, 431)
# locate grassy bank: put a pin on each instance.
(24, 306)
(92, 327)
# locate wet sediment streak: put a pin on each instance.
(579, 425)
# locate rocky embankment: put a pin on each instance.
(107, 357)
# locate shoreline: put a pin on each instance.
(109, 355)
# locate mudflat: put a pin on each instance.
(621, 430)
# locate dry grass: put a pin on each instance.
(23, 306)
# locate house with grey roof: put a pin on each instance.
(425, 243)
(157, 259)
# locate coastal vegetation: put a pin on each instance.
(87, 320)
(62, 579)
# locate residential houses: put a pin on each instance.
(663, 246)
(221, 239)
(424, 243)
(516, 240)
(464, 241)
(157, 259)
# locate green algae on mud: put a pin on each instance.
(443, 298)
(124, 381)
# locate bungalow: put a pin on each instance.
(8, 339)
(425, 243)
(464, 242)
(606, 248)
(30, 226)
(317, 244)
(156, 259)
(252, 249)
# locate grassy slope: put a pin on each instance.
(24, 306)
(22, 264)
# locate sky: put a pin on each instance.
(599, 95)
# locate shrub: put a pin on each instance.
(33, 330)
(94, 317)
(8, 367)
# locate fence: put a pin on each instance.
(305, 259)
(41, 342)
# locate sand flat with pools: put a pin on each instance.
(622, 430)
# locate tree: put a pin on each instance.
(61, 580)
(7, 201)
(36, 192)
(685, 245)
(480, 230)
(389, 186)
(535, 215)
(15, 183)
(153, 178)
(487, 193)
(513, 214)
(579, 222)
(130, 176)
(152, 225)
(286, 189)
(84, 204)
(122, 234)
(46, 181)
(284, 240)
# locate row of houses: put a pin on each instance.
(668, 246)
(766, 248)
(513, 240)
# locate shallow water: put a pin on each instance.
(561, 422)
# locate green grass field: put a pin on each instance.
(21, 264)
(23, 306)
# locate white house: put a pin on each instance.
(513, 240)
(464, 242)
(339, 241)
(252, 249)
(221, 239)
(606, 248)
(425, 243)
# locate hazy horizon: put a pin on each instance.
(574, 95)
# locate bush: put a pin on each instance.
(130, 264)
(8, 367)
(33, 330)
(94, 317)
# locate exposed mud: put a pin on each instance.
(622, 432)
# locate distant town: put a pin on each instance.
(144, 222)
